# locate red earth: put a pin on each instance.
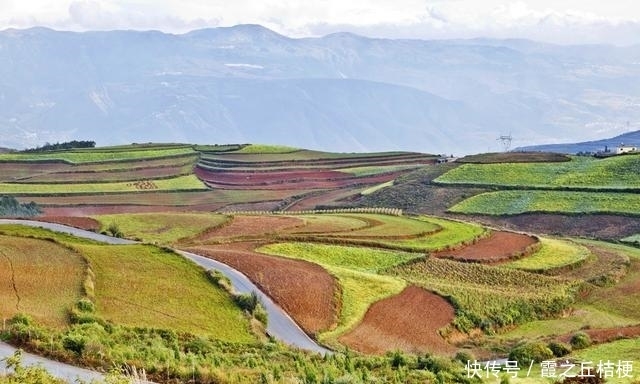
(86, 223)
(500, 246)
(409, 322)
(306, 291)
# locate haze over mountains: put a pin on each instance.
(341, 92)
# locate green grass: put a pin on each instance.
(266, 148)
(631, 239)
(99, 154)
(620, 350)
(190, 182)
(517, 202)
(375, 188)
(162, 228)
(47, 278)
(553, 254)
(620, 172)
(145, 286)
(356, 258)
(376, 170)
(490, 297)
(355, 269)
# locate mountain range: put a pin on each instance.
(340, 92)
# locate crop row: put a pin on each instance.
(553, 255)
(516, 202)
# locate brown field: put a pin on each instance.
(249, 227)
(498, 247)
(257, 178)
(86, 223)
(110, 176)
(306, 291)
(515, 157)
(40, 278)
(408, 322)
(606, 335)
(324, 198)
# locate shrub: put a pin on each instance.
(580, 340)
(247, 301)
(114, 230)
(526, 353)
(74, 343)
(559, 349)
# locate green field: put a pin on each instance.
(376, 170)
(553, 255)
(266, 148)
(180, 183)
(40, 278)
(619, 172)
(97, 155)
(516, 202)
(162, 228)
(144, 286)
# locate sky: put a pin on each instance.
(557, 21)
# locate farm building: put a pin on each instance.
(625, 149)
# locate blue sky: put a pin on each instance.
(558, 21)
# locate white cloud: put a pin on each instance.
(563, 21)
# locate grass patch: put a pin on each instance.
(40, 278)
(553, 254)
(517, 202)
(381, 226)
(266, 148)
(356, 258)
(181, 183)
(627, 349)
(162, 228)
(145, 286)
(375, 188)
(376, 170)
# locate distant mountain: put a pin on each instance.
(630, 138)
(340, 92)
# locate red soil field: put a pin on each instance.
(263, 178)
(120, 175)
(325, 198)
(210, 179)
(85, 223)
(89, 210)
(250, 226)
(408, 322)
(606, 335)
(305, 290)
(498, 247)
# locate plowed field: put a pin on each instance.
(304, 290)
(409, 322)
(499, 246)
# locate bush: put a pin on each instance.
(247, 301)
(580, 340)
(526, 353)
(559, 349)
(114, 230)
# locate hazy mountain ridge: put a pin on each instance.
(630, 138)
(340, 92)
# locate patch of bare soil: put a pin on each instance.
(409, 322)
(306, 291)
(86, 223)
(498, 247)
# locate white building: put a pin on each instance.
(620, 149)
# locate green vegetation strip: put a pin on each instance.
(375, 188)
(181, 183)
(553, 255)
(98, 155)
(376, 170)
(355, 269)
(162, 228)
(517, 202)
(620, 172)
(265, 148)
(490, 297)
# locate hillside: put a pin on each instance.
(629, 138)
(249, 84)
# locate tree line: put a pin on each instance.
(65, 145)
